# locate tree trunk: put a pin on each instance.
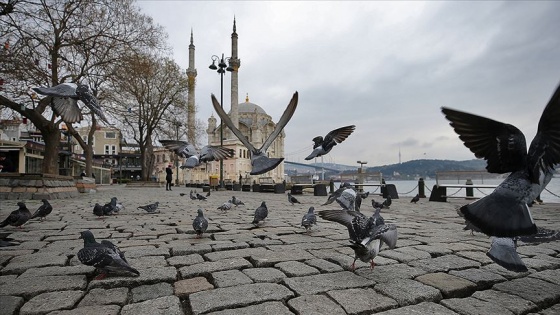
(51, 136)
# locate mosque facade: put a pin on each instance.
(250, 118)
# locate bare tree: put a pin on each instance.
(48, 42)
(151, 93)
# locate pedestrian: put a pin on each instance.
(83, 174)
(6, 164)
(168, 177)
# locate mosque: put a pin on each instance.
(251, 119)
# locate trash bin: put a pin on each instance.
(205, 188)
(320, 190)
(279, 188)
(236, 187)
(256, 187)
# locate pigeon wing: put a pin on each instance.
(61, 90)
(86, 96)
(502, 145)
(180, 148)
(337, 136)
(355, 221)
(286, 116)
(212, 153)
(67, 108)
(225, 118)
(388, 234)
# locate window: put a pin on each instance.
(107, 149)
(113, 149)
(110, 135)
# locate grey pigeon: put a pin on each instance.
(226, 206)
(543, 235)
(194, 157)
(376, 204)
(236, 201)
(200, 224)
(151, 208)
(200, 197)
(387, 202)
(322, 146)
(98, 210)
(17, 217)
(415, 199)
(110, 207)
(292, 199)
(5, 241)
(332, 197)
(44, 210)
(260, 162)
(192, 195)
(118, 207)
(260, 213)
(309, 219)
(104, 256)
(182, 194)
(503, 252)
(64, 100)
(347, 199)
(366, 234)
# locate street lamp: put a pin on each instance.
(177, 125)
(220, 69)
(361, 173)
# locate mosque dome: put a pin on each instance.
(248, 107)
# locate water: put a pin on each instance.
(409, 188)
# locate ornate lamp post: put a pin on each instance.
(221, 69)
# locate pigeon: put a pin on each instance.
(200, 224)
(208, 194)
(104, 256)
(182, 194)
(504, 214)
(193, 157)
(226, 206)
(5, 241)
(387, 202)
(292, 199)
(415, 199)
(118, 207)
(44, 210)
(332, 197)
(192, 196)
(347, 199)
(110, 208)
(260, 162)
(309, 219)
(543, 235)
(260, 213)
(17, 217)
(200, 197)
(322, 146)
(376, 204)
(151, 208)
(366, 234)
(236, 201)
(98, 210)
(64, 100)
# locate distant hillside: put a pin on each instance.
(406, 170)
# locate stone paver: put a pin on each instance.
(275, 268)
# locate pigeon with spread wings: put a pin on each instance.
(64, 101)
(323, 146)
(260, 162)
(505, 212)
(193, 157)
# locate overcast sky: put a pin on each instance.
(386, 67)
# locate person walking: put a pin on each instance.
(168, 177)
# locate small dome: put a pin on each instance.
(248, 107)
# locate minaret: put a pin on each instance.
(235, 63)
(191, 109)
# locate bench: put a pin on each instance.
(452, 180)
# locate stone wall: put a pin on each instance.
(17, 186)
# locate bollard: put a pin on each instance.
(421, 192)
(331, 186)
(470, 191)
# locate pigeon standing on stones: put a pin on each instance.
(192, 195)
(200, 224)
(415, 199)
(200, 197)
(64, 101)
(260, 161)
(260, 213)
(193, 157)
(366, 234)
(118, 207)
(110, 207)
(44, 210)
(292, 199)
(104, 256)
(387, 202)
(226, 206)
(98, 210)
(17, 217)
(309, 219)
(376, 204)
(151, 208)
(322, 146)
(236, 201)
(505, 213)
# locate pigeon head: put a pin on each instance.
(44, 201)
(200, 213)
(311, 209)
(21, 204)
(87, 236)
(263, 204)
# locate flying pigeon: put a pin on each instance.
(309, 219)
(226, 206)
(193, 157)
(505, 212)
(503, 252)
(323, 146)
(337, 193)
(64, 100)
(104, 256)
(200, 197)
(98, 210)
(415, 199)
(200, 224)
(236, 201)
(151, 208)
(292, 199)
(44, 210)
(260, 213)
(366, 234)
(17, 217)
(260, 162)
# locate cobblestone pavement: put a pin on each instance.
(276, 268)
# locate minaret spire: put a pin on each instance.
(191, 109)
(235, 63)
